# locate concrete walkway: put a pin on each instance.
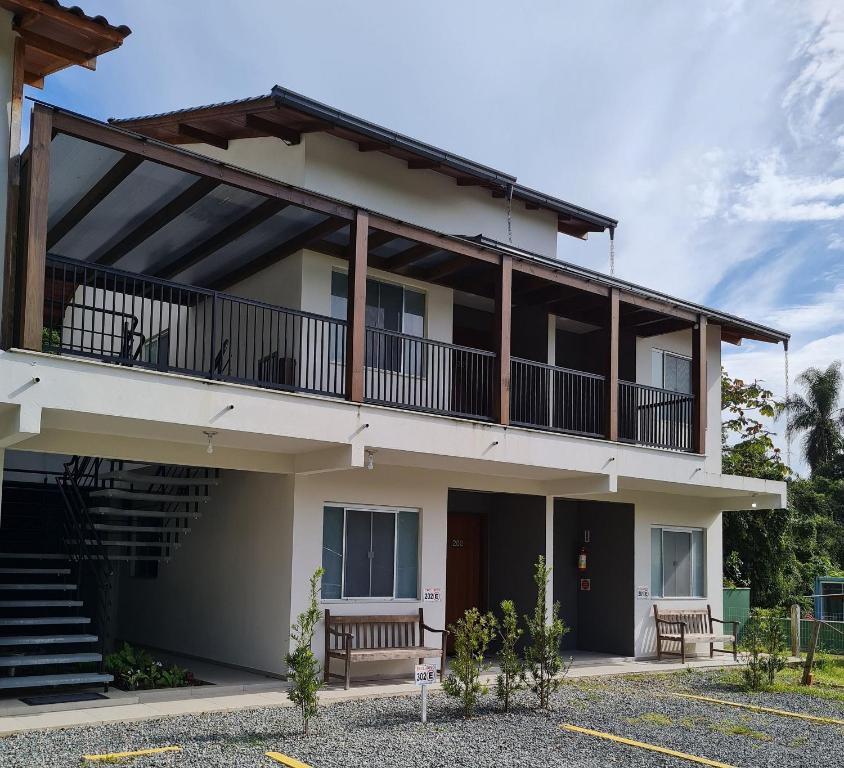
(198, 704)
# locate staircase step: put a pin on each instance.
(43, 621)
(47, 639)
(31, 556)
(125, 493)
(40, 571)
(41, 681)
(147, 479)
(42, 659)
(120, 512)
(106, 527)
(40, 603)
(39, 587)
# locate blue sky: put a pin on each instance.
(714, 131)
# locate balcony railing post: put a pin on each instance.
(356, 307)
(503, 308)
(699, 385)
(35, 232)
(212, 362)
(611, 398)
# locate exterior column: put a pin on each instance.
(611, 394)
(549, 553)
(356, 307)
(35, 232)
(503, 310)
(699, 384)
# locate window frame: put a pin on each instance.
(388, 510)
(691, 530)
(679, 356)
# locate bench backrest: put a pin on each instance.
(371, 632)
(697, 619)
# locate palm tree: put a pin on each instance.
(817, 414)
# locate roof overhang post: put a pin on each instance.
(611, 394)
(699, 384)
(35, 229)
(356, 307)
(503, 311)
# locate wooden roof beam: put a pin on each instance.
(446, 269)
(272, 128)
(560, 277)
(161, 218)
(659, 327)
(205, 137)
(224, 237)
(377, 239)
(423, 165)
(662, 307)
(60, 50)
(402, 261)
(93, 197)
(278, 253)
(372, 146)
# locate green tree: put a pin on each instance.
(512, 675)
(543, 660)
(816, 415)
(302, 664)
(472, 635)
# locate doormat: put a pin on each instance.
(61, 698)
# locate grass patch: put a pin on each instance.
(732, 728)
(651, 718)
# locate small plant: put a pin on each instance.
(472, 636)
(50, 339)
(544, 663)
(302, 664)
(651, 718)
(134, 669)
(512, 676)
(764, 642)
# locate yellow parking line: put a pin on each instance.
(765, 710)
(285, 760)
(137, 753)
(644, 745)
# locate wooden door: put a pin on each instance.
(464, 582)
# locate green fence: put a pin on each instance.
(830, 638)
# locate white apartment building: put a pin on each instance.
(246, 340)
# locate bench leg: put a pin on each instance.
(326, 672)
(712, 650)
(683, 651)
(348, 673)
(658, 647)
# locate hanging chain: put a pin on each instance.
(510, 214)
(612, 252)
(787, 388)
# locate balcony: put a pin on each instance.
(135, 320)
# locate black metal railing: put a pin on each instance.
(142, 321)
(654, 416)
(560, 399)
(422, 374)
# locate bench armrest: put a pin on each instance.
(338, 633)
(731, 622)
(438, 631)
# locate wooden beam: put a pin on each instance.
(163, 216)
(33, 79)
(337, 250)
(659, 327)
(408, 258)
(356, 308)
(503, 313)
(664, 307)
(32, 287)
(699, 383)
(467, 182)
(579, 232)
(224, 237)
(7, 285)
(54, 48)
(206, 137)
(443, 242)
(93, 197)
(272, 128)
(446, 269)
(562, 278)
(377, 239)
(423, 165)
(541, 295)
(372, 146)
(611, 395)
(191, 162)
(66, 18)
(278, 253)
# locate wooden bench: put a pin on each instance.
(378, 638)
(691, 625)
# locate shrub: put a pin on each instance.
(512, 676)
(302, 665)
(134, 669)
(764, 643)
(472, 635)
(542, 657)
(50, 339)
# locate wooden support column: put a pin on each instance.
(7, 282)
(503, 310)
(35, 231)
(699, 384)
(356, 307)
(611, 395)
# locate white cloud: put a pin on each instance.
(835, 242)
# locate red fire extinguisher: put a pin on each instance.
(581, 560)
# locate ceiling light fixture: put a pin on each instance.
(370, 459)
(210, 435)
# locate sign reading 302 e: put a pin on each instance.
(425, 674)
(431, 594)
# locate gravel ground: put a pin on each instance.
(385, 732)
